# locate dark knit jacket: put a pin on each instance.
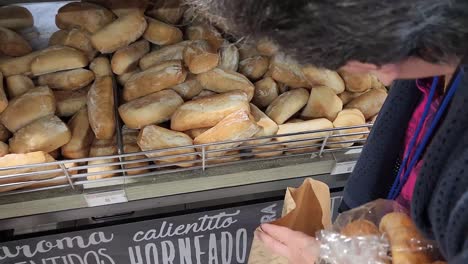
(440, 199)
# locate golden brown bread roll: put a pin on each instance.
(266, 91)
(123, 79)
(101, 67)
(347, 96)
(99, 148)
(70, 102)
(229, 156)
(101, 108)
(377, 84)
(284, 70)
(82, 136)
(15, 17)
(12, 43)
(4, 133)
(222, 81)
(17, 85)
(154, 138)
(24, 109)
(324, 77)
(122, 7)
(57, 59)
(119, 33)
(168, 53)
(130, 138)
(168, 11)
(67, 80)
(403, 236)
(267, 47)
(356, 83)
(45, 134)
(255, 67)
(13, 160)
(238, 125)
(161, 33)
(58, 37)
(75, 38)
(200, 57)
(126, 59)
(204, 93)
(154, 108)
(19, 65)
(4, 149)
(247, 50)
(208, 111)
(347, 118)
(229, 57)
(369, 103)
(188, 89)
(154, 79)
(83, 15)
(359, 228)
(193, 133)
(323, 102)
(305, 126)
(267, 126)
(3, 97)
(287, 105)
(205, 32)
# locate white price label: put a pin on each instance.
(353, 151)
(105, 198)
(343, 168)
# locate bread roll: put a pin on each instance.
(4, 149)
(83, 15)
(369, 103)
(32, 105)
(75, 38)
(208, 111)
(347, 97)
(400, 230)
(154, 108)
(377, 84)
(67, 80)
(4, 133)
(82, 136)
(247, 50)
(222, 81)
(229, 156)
(130, 138)
(267, 126)
(324, 77)
(267, 47)
(229, 57)
(101, 67)
(323, 102)
(200, 57)
(205, 32)
(204, 93)
(283, 69)
(58, 59)
(12, 43)
(266, 91)
(15, 17)
(168, 53)
(359, 228)
(347, 118)
(14, 160)
(287, 105)
(154, 138)
(123, 79)
(119, 33)
(255, 67)
(17, 66)
(298, 127)
(193, 133)
(45, 134)
(101, 108)
(188, 89)
(154, 79)
(123, 7)
(17, 85)
(168, 11)
(70, 102)
(100, 148)
(3, 97)
(126, 59)
(161, 33)
(356, 83)
(238, 125)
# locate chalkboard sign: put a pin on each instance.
(214, 237)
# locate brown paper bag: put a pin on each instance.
(306, 209)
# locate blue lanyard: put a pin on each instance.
(400, 181)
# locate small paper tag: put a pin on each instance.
(105, 198)
(343, 168)
(353, 151)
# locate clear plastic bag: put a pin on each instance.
(378, 232)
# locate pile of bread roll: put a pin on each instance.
(181, 84)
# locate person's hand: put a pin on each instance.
(297, 247)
